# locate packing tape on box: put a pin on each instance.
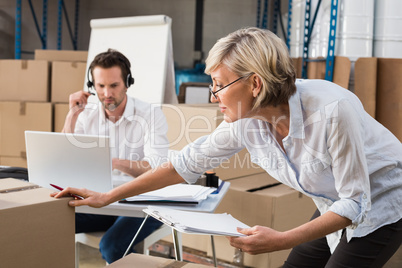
(22, 108)
(23, 154)
(24, 64)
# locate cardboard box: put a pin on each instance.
(187, 122)
(36, 229)
(316, 69)
(365, 83)
(359, 76)
(144, 261)
(15, 118)
(261, 200)
(67, 78)
(61, 55)
(13, 161)
(60, 111)
(389, 95)
(24, 80)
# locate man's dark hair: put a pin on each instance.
(112, 58)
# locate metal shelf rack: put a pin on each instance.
(43, 33)
(308, 27)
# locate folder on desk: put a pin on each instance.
(178, 194)
(197, 222)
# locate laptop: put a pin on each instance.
(69, 160)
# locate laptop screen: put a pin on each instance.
(69, 160)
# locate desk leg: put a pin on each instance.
(135, 236)
(177, 244)
(213, 251)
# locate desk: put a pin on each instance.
(130, 210)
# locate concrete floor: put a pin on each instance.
(90, 257)
(395, 261)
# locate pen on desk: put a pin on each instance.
(61, 189)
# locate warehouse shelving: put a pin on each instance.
(308, 27)
(43, 32)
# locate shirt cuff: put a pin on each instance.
(352, 210)
(179, 163)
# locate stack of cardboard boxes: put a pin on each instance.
(67, 76)
(24, 95)
(33, 94)
(36, 229)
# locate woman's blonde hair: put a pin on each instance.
(257, 51)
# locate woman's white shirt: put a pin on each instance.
(335, 152)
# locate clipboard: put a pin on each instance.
(197, 222)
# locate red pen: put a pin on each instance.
(61, 189)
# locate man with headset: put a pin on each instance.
(137, 132)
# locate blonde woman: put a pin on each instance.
(311, 135)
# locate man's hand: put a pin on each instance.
(79, 98)
(77, 103)
(131, 168)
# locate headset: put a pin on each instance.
(129, 79)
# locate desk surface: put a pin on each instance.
(131, 210)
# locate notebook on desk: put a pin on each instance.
(181, 194)
(69, 160)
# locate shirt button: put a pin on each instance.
(364, 196)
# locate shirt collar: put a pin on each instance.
(129, 111)
(296, 128)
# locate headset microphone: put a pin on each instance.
(89, 83)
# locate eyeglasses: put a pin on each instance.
(211, 87)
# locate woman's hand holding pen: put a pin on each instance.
(90, 198)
